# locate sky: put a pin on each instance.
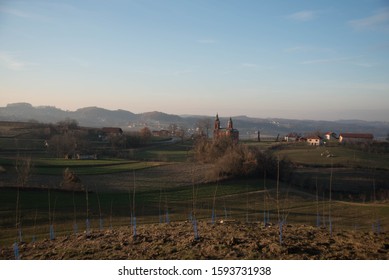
(319, 60)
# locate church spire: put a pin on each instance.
(229, 125)
(217, 122)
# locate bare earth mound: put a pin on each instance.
(228, 240)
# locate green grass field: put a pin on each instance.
(340, 156)
(178, 152)
(242, 199)
(53, 166)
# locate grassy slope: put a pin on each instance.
(241, 199)
(341, 156)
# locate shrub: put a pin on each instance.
(237, 160)
(70, 180)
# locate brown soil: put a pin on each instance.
(227, 240)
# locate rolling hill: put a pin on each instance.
(100, 117)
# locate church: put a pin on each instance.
(229, 131)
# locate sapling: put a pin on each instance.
(278, 190)
(376, 223)
(324, 203)
(16, 251)
(110, 216)
(265, 194)
(100, 216)
(225, 210)
(280, 231)
(193, 214)
(317, 206)
(214, 204)
(34, 229)
(330, 201)
(167, 219)
(87, 223)
(196, 233)
(133, 208)
(49, 200)
(159, 206)
(376, 226)
(264, 207)
(18, 223)
(51, 216)
(75, 226)
(247, 204)
(130, 205)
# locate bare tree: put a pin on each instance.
(63, 145)
(181, 133)
(204, 125)
(173, 128)
(145, 134)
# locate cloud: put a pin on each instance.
(378, 21)
(303, 16)
(11, 62)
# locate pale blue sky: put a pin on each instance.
(290, 59)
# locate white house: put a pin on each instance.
(291, 137)
(314, 140)
(330, 136)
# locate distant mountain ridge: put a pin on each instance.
(100, 117)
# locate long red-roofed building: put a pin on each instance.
(355, 137)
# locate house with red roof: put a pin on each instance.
(356, 138)
(314, 140)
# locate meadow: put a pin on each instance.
(160, 184)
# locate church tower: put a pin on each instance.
(216, 127)
(229, 125)
(228, 131)
(217, 123)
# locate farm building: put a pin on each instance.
(330, 136)
(314, 140)
(115, 131)
(355, 137)
(229, 131)
(161, 133)
(107, 132)
(292, 137)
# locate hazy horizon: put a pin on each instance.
(194, 114)
(321, 60)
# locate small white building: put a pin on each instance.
(330, 136)
(291, 137)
